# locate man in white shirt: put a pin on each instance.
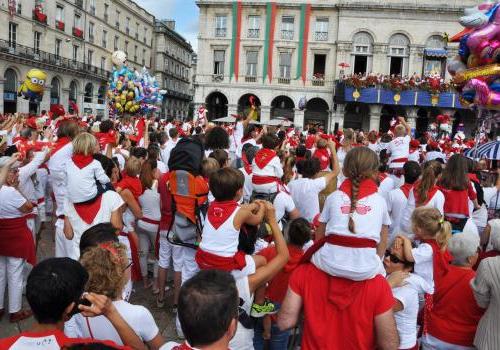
(208, 311)
(169, 145)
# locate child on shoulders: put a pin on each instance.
(266, 166)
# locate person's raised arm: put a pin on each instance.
(406, 125)
(102, 305)
(264, 274)
(386, 332)
(249, 116)
(290, 310)
(5, 169)
(253, 213)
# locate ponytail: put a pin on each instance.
(443, 236)
(354, 201)
(428, 180)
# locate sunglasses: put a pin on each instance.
(394, 259)
(128, 266)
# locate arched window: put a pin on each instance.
(101, 94)
(73, 91)
(10, 91)
(10, 80)
(89, 92)
(55, 91)
(399, 47)
(435, 55)
(435, 42)
(362, 50)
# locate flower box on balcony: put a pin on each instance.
(78, 32)
(60, 25)
(39, 16)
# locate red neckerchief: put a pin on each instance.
(131, 183)
(88, 211)
(246, 164)
(366, 187)
(406, 188)
(81, 161)
(382, 176)
(105, 139)
(60, 143)
(473, 177)
(432, 191)
(140, 130)
(219, 212)
(263, 157)
(323, 156)
(440, 259)
(310, 141)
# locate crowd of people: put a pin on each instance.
(275, 237)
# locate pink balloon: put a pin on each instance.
(484, 95)
(487, 33)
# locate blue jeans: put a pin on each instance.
(278, 341)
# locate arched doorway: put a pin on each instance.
(89, 93)
(357, 116)
(55, 91)
(244, 104)
(316, 113)
(10, 91)
(283, 107)
(216, 104)
(101, 95)
(388, 113)
(73, 96)
(422, 123)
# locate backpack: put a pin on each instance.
(189, 206)
(187, 155)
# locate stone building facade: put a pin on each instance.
(173, 57)
(289, 55)
(71, 40)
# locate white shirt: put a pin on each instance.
(26, 184)
(369, 217)
(110, 202)
(162, 167)
(424, 264)
(10, 202)
(247, 187)
(243, 338)
(398, 148)
(222, 241)
(150, 204)
(273, 168)
(240, 146)
(386, 186)
(437, 201)
(165, 152)
(414, 156)
(432, 155)
(138, 317)
(81, 183)
(57, 161)
(305, 195)
(237, 135)
(396, 205)
(283, 203)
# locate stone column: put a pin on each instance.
(298, 119)
(232, 109)
(375, 117)
(2, 83)
(265, 113)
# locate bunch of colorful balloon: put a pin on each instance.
(476, 69)
(131, 92)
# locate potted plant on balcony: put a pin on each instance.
(60, 25)
(39, 15)
(434, 85)
(77, 32)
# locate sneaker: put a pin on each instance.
(262, 310)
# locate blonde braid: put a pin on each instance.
(354, 201)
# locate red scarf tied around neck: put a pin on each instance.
(81, 161)
(263, 157)
(60, 143)
(219, 212)
(366, 187)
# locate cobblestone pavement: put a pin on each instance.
(165, 318)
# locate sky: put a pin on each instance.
(184, 12)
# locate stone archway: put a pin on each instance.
(356, 116)
(216, 104)
(244, 104)
(10, 91)
(316, 113)
(55, 91)
(88, 96)
(388, 113)
(282, 107)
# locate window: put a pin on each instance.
(12, 35)
(435, 54)
(252, 57)
(19, 7)
(59, 13)
(117, 23)
(89, 92)
(90, 57)
(77, 21)
(362, 50)
(253, 26)
(106, 12)
(104, 38)
(321, 30)
(103, 63)
(137, 31)
(36, 41)
(220, 26)
(75, 52)
(126, 47)
(92, 7)
(145, 34)
(91, 32)
(285, 64)
(127, 25)
(57, 52)
(143, 57)
(287, 27)
(219, 56)
(115, 45)
(398, 52)
(135, 53)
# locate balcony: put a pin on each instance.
(60, 25)
(250, 79)
(19, 53)
(253, 33)
(321, 36)
(39, 16)
(287, 34)
(318, 80)
(285, 81)
(217, 78)
(78, 32)
(220, 32)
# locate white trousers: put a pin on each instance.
(431, 343)
(147, 241)
(11, 275)
(169, 251)
(64, 247)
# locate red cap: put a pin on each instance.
(414, 143)
(434, 144)
(31, 123)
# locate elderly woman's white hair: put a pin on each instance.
(462, 246)
(495, 234)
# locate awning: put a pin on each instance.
(436, 53)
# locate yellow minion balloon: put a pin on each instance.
(32, 87)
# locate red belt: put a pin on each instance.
(41, 200)
(399, 160)
(30, 216)
(343, 241)
(263, 180)
(208, 261)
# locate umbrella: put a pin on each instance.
(344, 65)
(490, 150)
